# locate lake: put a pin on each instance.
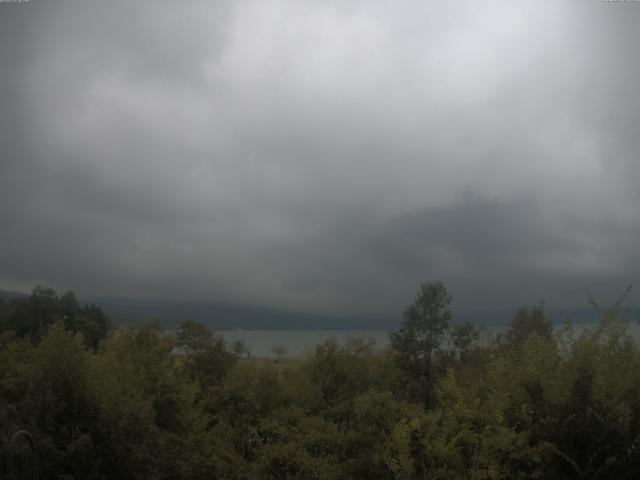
(261, 342)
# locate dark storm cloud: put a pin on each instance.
(321, 156)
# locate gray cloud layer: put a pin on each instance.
(321, 156)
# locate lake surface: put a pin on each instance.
(297, 342)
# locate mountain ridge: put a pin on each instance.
(233, 316)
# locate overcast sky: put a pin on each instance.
(321, 156)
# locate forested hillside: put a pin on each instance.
(439, 403)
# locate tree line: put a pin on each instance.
(441, 402)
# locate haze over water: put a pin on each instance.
(299, 342)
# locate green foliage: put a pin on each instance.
(527, 322)
(419, 339)
(463, 338)
(207, 359)
(193, 336)
(143, 403)
(31, 317)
